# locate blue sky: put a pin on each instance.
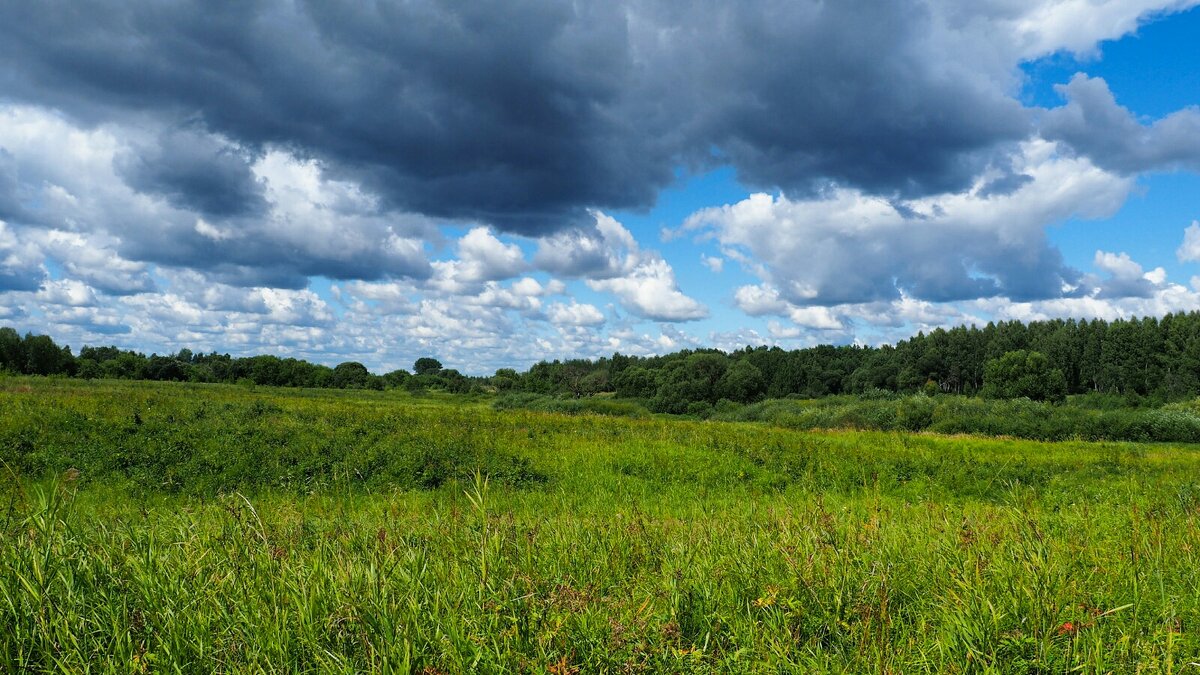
(498, 183)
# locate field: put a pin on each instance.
(210, 528)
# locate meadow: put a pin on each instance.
(160, 527)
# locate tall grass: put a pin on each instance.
(1087, 420)
(644, 545)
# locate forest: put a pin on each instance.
(1139, 359)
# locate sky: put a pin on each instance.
(494, 183)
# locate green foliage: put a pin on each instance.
(1142, 362)
(427, 366)
(373, 532)
(742, 382)
(569, 406)
(636, 382)
(351, 375)
(1019, 418)
(1024, 374)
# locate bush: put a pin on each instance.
(571, 406)
(1024, 374)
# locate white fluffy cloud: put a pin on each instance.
(1189, 250)
(575, 314)
(610, 260)
(849, 247)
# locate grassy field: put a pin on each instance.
(186, 528)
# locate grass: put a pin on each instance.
(175, 528)
(1083, 418)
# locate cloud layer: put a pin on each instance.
(337, 179)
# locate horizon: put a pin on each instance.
(496, 185)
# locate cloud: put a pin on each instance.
(67, 292)
(1095, 126)
(650, 291)
(1189, 250)
(1126, 279)
(525, 115)
(1043, 28)
(308, 224)
(574, 314)
(482, 257)
(714, 264)
(194, 171)
(610, 260)
(20, 266)
(94, 260)
(177, 174)
(851, 247)
(605, 250)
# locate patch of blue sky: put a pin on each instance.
(1153, 73)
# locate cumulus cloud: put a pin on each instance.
(67, 292)
(850, 247)
(1126, 279)
(93, 259)
(20, 262)
(650, 291)
(482, 257)
(527, 122)
(307, 224)
(610, 260)
(575, 314)
(1095, 125)
(1189, 250)
(194, 171)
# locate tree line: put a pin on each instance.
(1139, 357)
(40, 355)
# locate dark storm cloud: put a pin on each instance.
(521, 113)
(1093, 124)
(264, 261)
(195, 171)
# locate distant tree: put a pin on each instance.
(453, 381)
(396, 378)
(427, 366)
(12, 352)
(742, 382)
(594, 383)
(692, 380)
(1024, 373)
(89, 370)
(505, 379)
(350, 375)
(43, 357)
(636, 382)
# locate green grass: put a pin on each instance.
(176, 528)
(1083, 418)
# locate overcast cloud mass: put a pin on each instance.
(382, 181)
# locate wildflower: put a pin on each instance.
(1067, 628)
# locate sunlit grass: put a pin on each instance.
(307, 532)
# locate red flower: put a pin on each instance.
(1067, 628)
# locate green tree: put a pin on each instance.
(427, 366)
(636, 382)
(1024, 373)
(12, 352)
(742, 382)
(350, 375)
(43, 357)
